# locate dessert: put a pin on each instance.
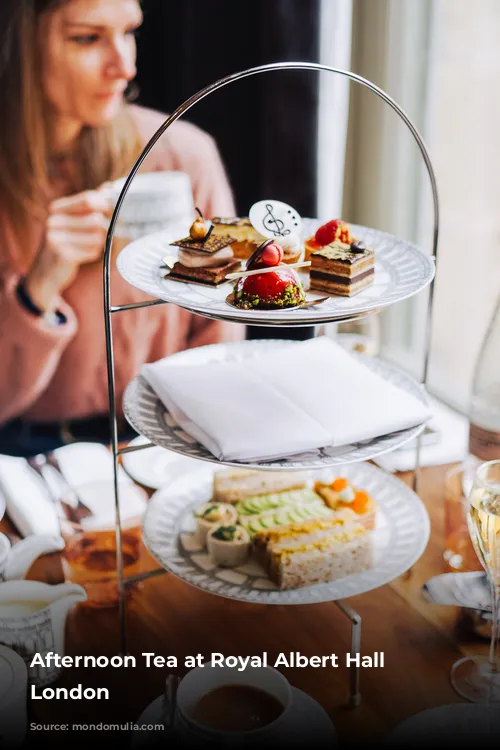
(205, 275)
(246, 238)
(204, 258)
(277, 288)
(234, 485)
(228, 546)
(332, 231)
(355, 504)
(292, 247)
(342, 269)
(212, 514)
(304, 554)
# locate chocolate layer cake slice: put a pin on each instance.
(342, 269)
(211, 244)
(208, 276)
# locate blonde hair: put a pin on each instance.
(101, 154)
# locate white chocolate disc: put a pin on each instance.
(275, 219)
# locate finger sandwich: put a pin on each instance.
(312, 552)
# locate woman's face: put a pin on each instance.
(89, 57)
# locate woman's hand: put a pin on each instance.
(75, 234)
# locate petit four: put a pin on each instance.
(304, 554)
(245, 237)
(292, 247)
(278, 288)
(342, 269)
(234, 485)
(332, 231)
(228, 546)
(204, 257)
(212, 514)
(210, 276)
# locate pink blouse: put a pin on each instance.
(57, 373)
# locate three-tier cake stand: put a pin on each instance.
(335, 316)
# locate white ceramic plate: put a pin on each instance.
(156, 467)
(310, 725)
(400, 537)
(401, 270)
(460, 725)
(148, 416)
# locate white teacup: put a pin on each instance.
(202, 680)
(155, 202)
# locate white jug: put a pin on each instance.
(16, 561)
(32, 621)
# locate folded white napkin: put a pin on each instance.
(273, 404)
(28, 502)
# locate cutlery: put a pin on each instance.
(80, 510)
(302, 306)
(63, 510)
(66, 511)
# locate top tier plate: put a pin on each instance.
(401, 271)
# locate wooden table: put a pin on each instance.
(168, 617)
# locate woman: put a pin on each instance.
(65, 69)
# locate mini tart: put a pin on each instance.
(229, 545)
(342, 234)
(246, 239)
(293, 248)
(210, 515)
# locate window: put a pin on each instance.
(441, 63)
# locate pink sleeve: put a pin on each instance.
(31, 349)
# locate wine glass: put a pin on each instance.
(477, 678)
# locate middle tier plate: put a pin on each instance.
(401, 271)
(149, 417)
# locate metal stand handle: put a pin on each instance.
(108, 309)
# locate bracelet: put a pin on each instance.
(55, 318)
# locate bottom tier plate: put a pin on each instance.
(149, 417)
(400, 537)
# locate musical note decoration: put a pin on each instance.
(275, 219)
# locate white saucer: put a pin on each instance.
(310, 725)
(156, 467)
(458, 725)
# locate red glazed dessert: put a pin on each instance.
(273, 289)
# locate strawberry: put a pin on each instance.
(328, 232)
